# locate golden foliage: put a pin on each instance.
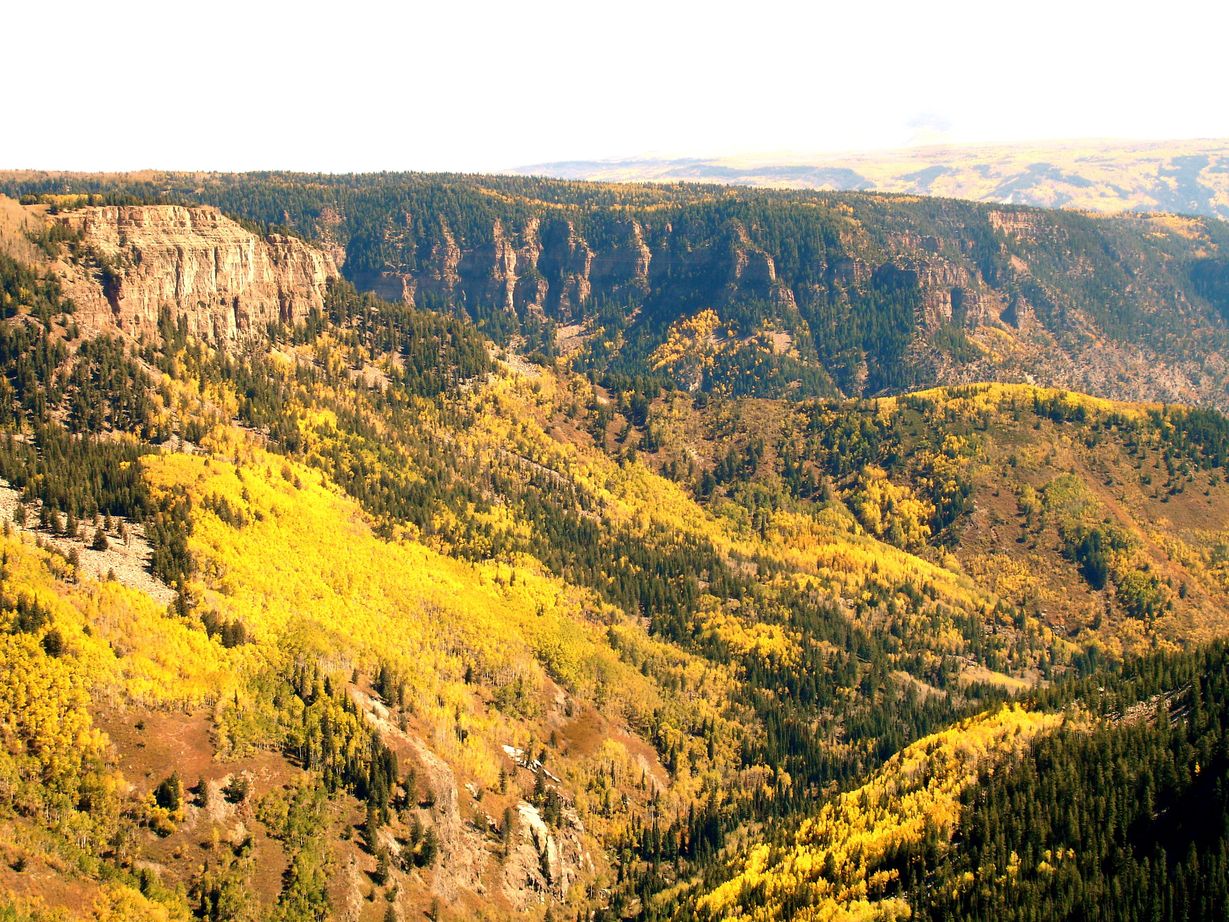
(830, 868)
(891, 511)
(689, 347)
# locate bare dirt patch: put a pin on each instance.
(126, 559)
(149, 745)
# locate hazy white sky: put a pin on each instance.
(361, 85)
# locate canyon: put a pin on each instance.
(816, 294)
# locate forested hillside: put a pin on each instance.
(1106, 802)
(762, 292)
(360, 614)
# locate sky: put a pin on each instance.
(359, 85)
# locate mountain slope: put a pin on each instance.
(760, 292)
(365, 668)
(840, 865)
(358, 615)
(1109, 804)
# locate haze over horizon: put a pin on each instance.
(920, 146)
(141, 85)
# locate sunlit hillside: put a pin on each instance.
(840, 865)
(356, 614)
(1069, 811)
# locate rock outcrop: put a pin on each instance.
(544, 269)
(225, 283)
(540, 861)
(870, 298)
(547, 269)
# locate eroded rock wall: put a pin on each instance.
(226, 282)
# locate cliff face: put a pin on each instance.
(544, 268)
(816, 294)
(549, 270)
(227, 283)
(874, 297)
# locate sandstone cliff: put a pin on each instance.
(225, 282)
(545, 268)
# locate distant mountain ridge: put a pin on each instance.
(1184, 177)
